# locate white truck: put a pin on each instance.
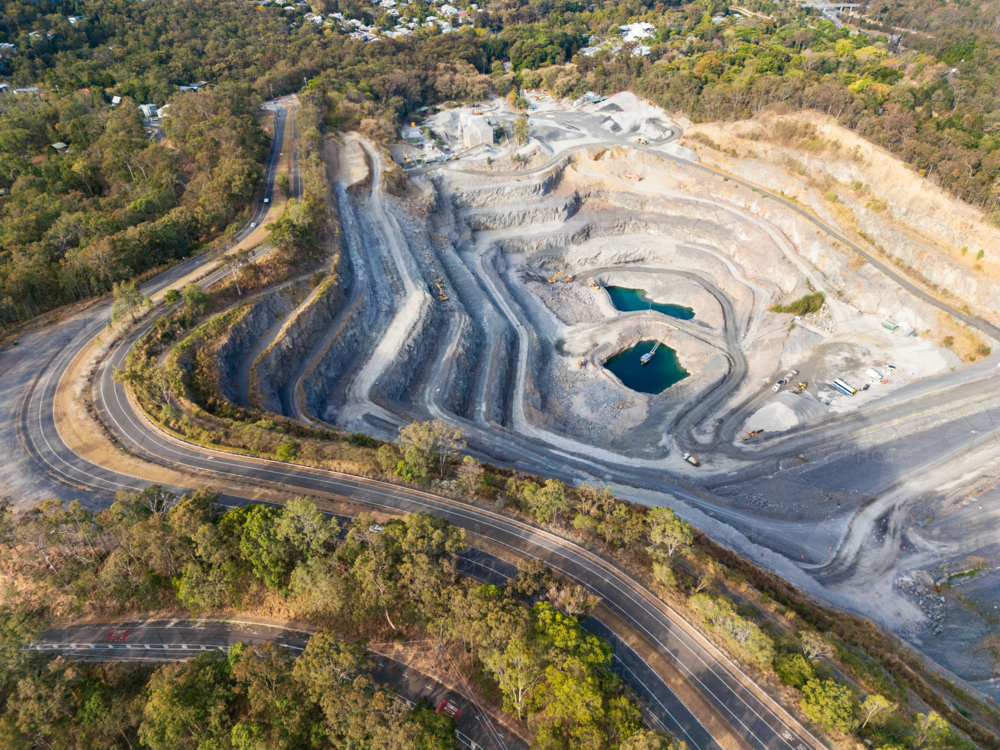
(691, 459)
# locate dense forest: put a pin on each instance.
(398, 579)
(115, 204)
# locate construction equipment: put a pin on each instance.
(691, 459)
(566, 279)
(644, 359)
(553, 279)
(594, 284)
(441, 295)
(752, 434)
(631, 176)
(801, 387)
(641, 141)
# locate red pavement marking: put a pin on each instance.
(447, 707)
(116, 636)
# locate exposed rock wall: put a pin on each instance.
(518, 215)
(262, 314)
(277, 363)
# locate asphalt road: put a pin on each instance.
(183, 639)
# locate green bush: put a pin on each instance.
(831, 196)
(287, 452)
(794, 670)
(803, 306)
(830, 704)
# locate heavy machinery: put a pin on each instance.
(644, 359)
(691, 459)
(641, 141)
(631, 176)
(441, 295)
(801, 387)
(566, 279)
(594, 284)
(553, 279)
(752, 434)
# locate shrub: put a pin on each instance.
(794, 670)
(361, 440)
(803, 306)
(830, 704)
(287, 452)
(741, 635)
(586, 524)
(664, 575)
(831, 196)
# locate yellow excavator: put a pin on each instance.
(441, 295)
(553, 279)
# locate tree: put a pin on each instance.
(327, 661)
(435, 731)
(417, 441)
(590, 500)
(550, 500)
(932, 730)
(171, 297)
(793, 670)
(668, 533)
(235, 262)
(518, 673)
(195, 299)
(874, 708)
(814, 645)
(287, 452)
(305, 527)
(830, 705)
(269, 553)
(470, 475)
(623, 526)
(284, 184)
(572, 598)
(521, 129)
(189, 705)
(375, 571)
(646, 739)
(128, 299)
(317, 587)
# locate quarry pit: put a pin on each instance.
(493, 293)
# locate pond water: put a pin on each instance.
(661, 372)
(630, 300)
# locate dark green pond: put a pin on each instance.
(662, 371)
(630, 300)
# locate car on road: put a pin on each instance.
(777, 386)
(267, 200)
(253, 224)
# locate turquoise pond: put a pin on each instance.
(630, 300)
(662, 371)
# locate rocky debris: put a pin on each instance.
(930, 603)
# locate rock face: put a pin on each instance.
(244, 334)
(277, 363)
(901, 215)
